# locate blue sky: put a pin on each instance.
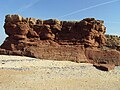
(107, 10)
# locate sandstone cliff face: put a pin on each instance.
(87, 32)
(54, 39)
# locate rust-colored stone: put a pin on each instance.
(79, 41)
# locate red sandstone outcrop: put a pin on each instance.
(88, 32)
(58, 40)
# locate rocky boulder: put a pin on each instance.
(104, 67)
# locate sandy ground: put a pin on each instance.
(24, 73)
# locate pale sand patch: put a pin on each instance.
(24, 73)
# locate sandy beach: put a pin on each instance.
(24, 73)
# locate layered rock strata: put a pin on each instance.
(80, 41)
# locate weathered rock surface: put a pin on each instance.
(58, 40)
(113, 42)
(88, 32)
(103, 56)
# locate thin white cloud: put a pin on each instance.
(27, 6)
(84, 9)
